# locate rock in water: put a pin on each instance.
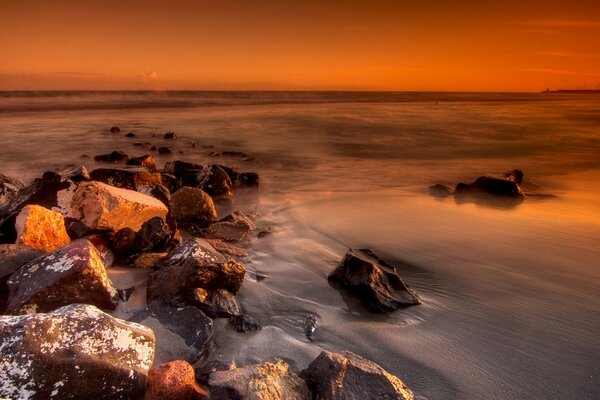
(101, 206)
(214, 181)
(233, 227)
(515, 175)
(266, 381)
(174, 380)
(376, 282)
(115, 129)
(75, 352)
(73, 274)
(76, 173)
(9, 187)
(131, 178)
(170, 135)
(344, 376)
(218, 303)
(310, 325)
(192, 205)
(244, 323)
(492, 186)
(440, 191)
(41, 228)
(144, 161)
(113, 157)
(154, 235)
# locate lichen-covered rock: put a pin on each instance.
(127, 177)
(181, 332)
(194, 264)
(72, 274)
(9, 187)
(233, 227)
(41, 228)
(346, 376)
(174, 380)
(74, 352)
(375, 281)
(218, 303)
(266, 381)
(192, 205)
(101, 206)
(13, 257)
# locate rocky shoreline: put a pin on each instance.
(62, 234)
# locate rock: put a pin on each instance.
(203, 371)
(164, 151)
(515, 175)
(244, 323)
(149, 260)
(115, 129)
(41, 228)
(248, 179)
(227, 249)
(181, 332)
(194, 264)
(233, 227)
(113, 157)
(130, 135)
(342, 376)
(170, 135)
(440, 191)
(310, 325)
(74, 352)
(158, 192)
(170, 182)
(266, 381)
(214, 181)
(192, 205)
(375, 281)
(9, 187)
(13, 257)
(174, 380)
(154, 235)
(123, 242)
(101, 206)
(179, 168)
(491, 186)
(144, 161)
(130, 177)
(218, 303)
(103, 247)
(152, 148)
(73, 274)
(76, 173)
(76, 229)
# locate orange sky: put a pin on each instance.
(300, 45)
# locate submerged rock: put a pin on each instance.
(174, 380)
(101, 206)
(266, 381)
(515, 175)
(170, 135)
(164, 151)
(344, 376)
(218, 303)
(375, 281)
(233, 227)
(115, 129)
(492, 186)
(113, 157)
(130, 135)
(131, 177)
(193, 206)
(9, 187)
(310, 325)
(244, 323)
(41, 228)
(440, 191)
(73, 274)
(74, 352)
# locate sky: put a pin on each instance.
(427, 45)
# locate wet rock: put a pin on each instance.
(115, 129)
(113, 157)
(158, 192)
(179, 168)
(170, 182)
(101, 206)
(491, 186)
(266, 381)
(193, 205)
(310, 325)
(174, 380)
(515, 175)
(170, 135)
(214, 181)
(375, 281)
(440, 191)
(218, 303)
(41, 228)
(154, 235)
(149, 260)
(164, 150)
(9, 187)
(76, 229)
(233, 227)
(249, 179)
(130, 135)
(103, 246)
(342, 376)
(76, 173)
(123, 242)
(143, 161)
(13, 257)
(130, 177)
(244, 323)
(203, 371)
(181, 332)
(74, 352)
(152, 148)
(73, 274)
(194, 264)
(227, 249)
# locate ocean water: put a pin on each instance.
(511, 293)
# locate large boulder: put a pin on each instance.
(101, 206)
(181, 332)
(74, 352)
(491, 186)
(375, 281)
(266, 381)
(9, 187)
(127, 177)
(13, 257)
(174, 380)
(214, 181)
(41, 228)
(346, 376)
(194, 264)
(154, 235)
(73, 274)
(193, 206)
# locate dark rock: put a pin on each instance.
(233, 227)
(170, 182)
(130, 178)
(174, 380)
(227, 249)
(13, 257)
(214, 181)
(249, 179)
(375, 281)
(73, 274)
(203, 371)
(193, 206)
(154, 235)
(181, 332)
(218, 303)
(152, 148)
(75, 352)
(123, 242)
(103, 246)
(143, 161)
(515, 175)
(440, 191)
(310, 325)
(342, 376)
(194, 264)
(76, 173)
(158, 192)
(264, 233)
(115, 129)
(164, 150)
(149, 260)
(244, 323)
(170, 135)
(178, 168)
(139, 144)
(492, 186)
(114, 157)
(235, 154)
(9, 187)
(76, 229)
(130, 135)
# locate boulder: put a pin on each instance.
(13, 257)
(174, 380)
(123, 242)
(193, 206)
(515, 175)
(344, 376)
(155, 235)
(170, 135)
(157, 191)
(149, 260)
(233, 227)
(266, 381)
(102, 245)
(170, 182)
(227, 249)
(76, 173)
(214, 181)
(144, 161)
(181, 332)
(9, 187)
(490, 186)
(376, 282)
(72, 274)
(131, 177)
(41, 228)
(115, 129)
(112, 157)
(179, 168)
(194, 264)
(101, 206)
(74, 352)
(204, 370)
(440, 191)
(218, 303)
(244, 323)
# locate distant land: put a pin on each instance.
(577, 91)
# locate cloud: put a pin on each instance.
(148, 75)
(558, 71)
(556, 23)
(568, 55)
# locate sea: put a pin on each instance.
(510, 292)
